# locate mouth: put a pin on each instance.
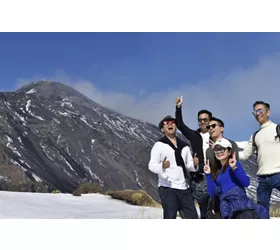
(170, 128)
(212, 132)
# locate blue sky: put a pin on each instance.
(136, 72)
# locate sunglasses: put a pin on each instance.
(168, 122)
(258, 112)
(218, 150)
(203, 120)
(211, 126)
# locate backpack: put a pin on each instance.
(276, 136)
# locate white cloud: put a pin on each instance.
(229, 98)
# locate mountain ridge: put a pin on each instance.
(62, 138)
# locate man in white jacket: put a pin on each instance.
(171, 160)
(267, 145)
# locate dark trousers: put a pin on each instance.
(245, 214)
(266, 184)
(200, 194)
(174, 200)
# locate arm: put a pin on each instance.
(189, 161)
(247, 151)
(155, 164)
(211, 185)
(186, 131)
(235, 149)
(240, 175)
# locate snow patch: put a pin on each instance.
(31, 91)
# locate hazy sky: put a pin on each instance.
(141, 74)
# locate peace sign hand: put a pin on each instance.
(232, 161)
(211, 143)
(207, 169)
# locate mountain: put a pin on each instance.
(60, 138)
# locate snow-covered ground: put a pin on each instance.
(14, 205)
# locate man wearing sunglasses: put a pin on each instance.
(265, 142)
(199, 142)
(171, 159)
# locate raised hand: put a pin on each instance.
(232, 161)
(207, 169)
(211, 143)
(179, 101)
(165, 163)
(195, 160)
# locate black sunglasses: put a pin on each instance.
(219, 150)
(203, 120)
(211, 126)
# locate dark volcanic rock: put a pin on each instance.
(62, 138)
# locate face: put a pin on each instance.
(169, 127)
(221, 153)
(203, 121)
(215, 130)
(261, 113)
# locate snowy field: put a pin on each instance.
(14, 205)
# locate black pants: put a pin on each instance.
(245, 214)
(174, 200)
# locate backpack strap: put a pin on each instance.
(277, 132)
(254, 143)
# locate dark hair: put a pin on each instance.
(204, 111)
(267, 106)
(217, 166)
(221, 123)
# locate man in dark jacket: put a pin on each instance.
(216, 129)
(199, 140)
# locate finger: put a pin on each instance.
(208, 162)
(165, 158)
(195, 155)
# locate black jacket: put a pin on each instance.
(193, 136)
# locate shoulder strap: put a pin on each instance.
(277, 132)
(254, 143)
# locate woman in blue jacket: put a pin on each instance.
(228, 176)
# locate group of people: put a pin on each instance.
(208, 168)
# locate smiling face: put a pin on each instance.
(261, 113)
(203, 121)
(169, 127)
(221, 153)
(215, 130)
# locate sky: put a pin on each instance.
(141, 74)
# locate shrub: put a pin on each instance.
(88, 188)
(134, 197)
(274, 212)
(56, 191)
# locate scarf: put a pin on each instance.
(178, 156)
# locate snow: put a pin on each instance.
(28, 105)
(15, 205)
(31, 91)
(241, 144)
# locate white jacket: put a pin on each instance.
(173, 176)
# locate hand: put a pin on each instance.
(211, 143)
(195, 160)
(232, 161)
(207, 169)
(179, 101)
(165, 163)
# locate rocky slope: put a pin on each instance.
(61, 138)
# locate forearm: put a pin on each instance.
(240, 175)
(211, 186)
